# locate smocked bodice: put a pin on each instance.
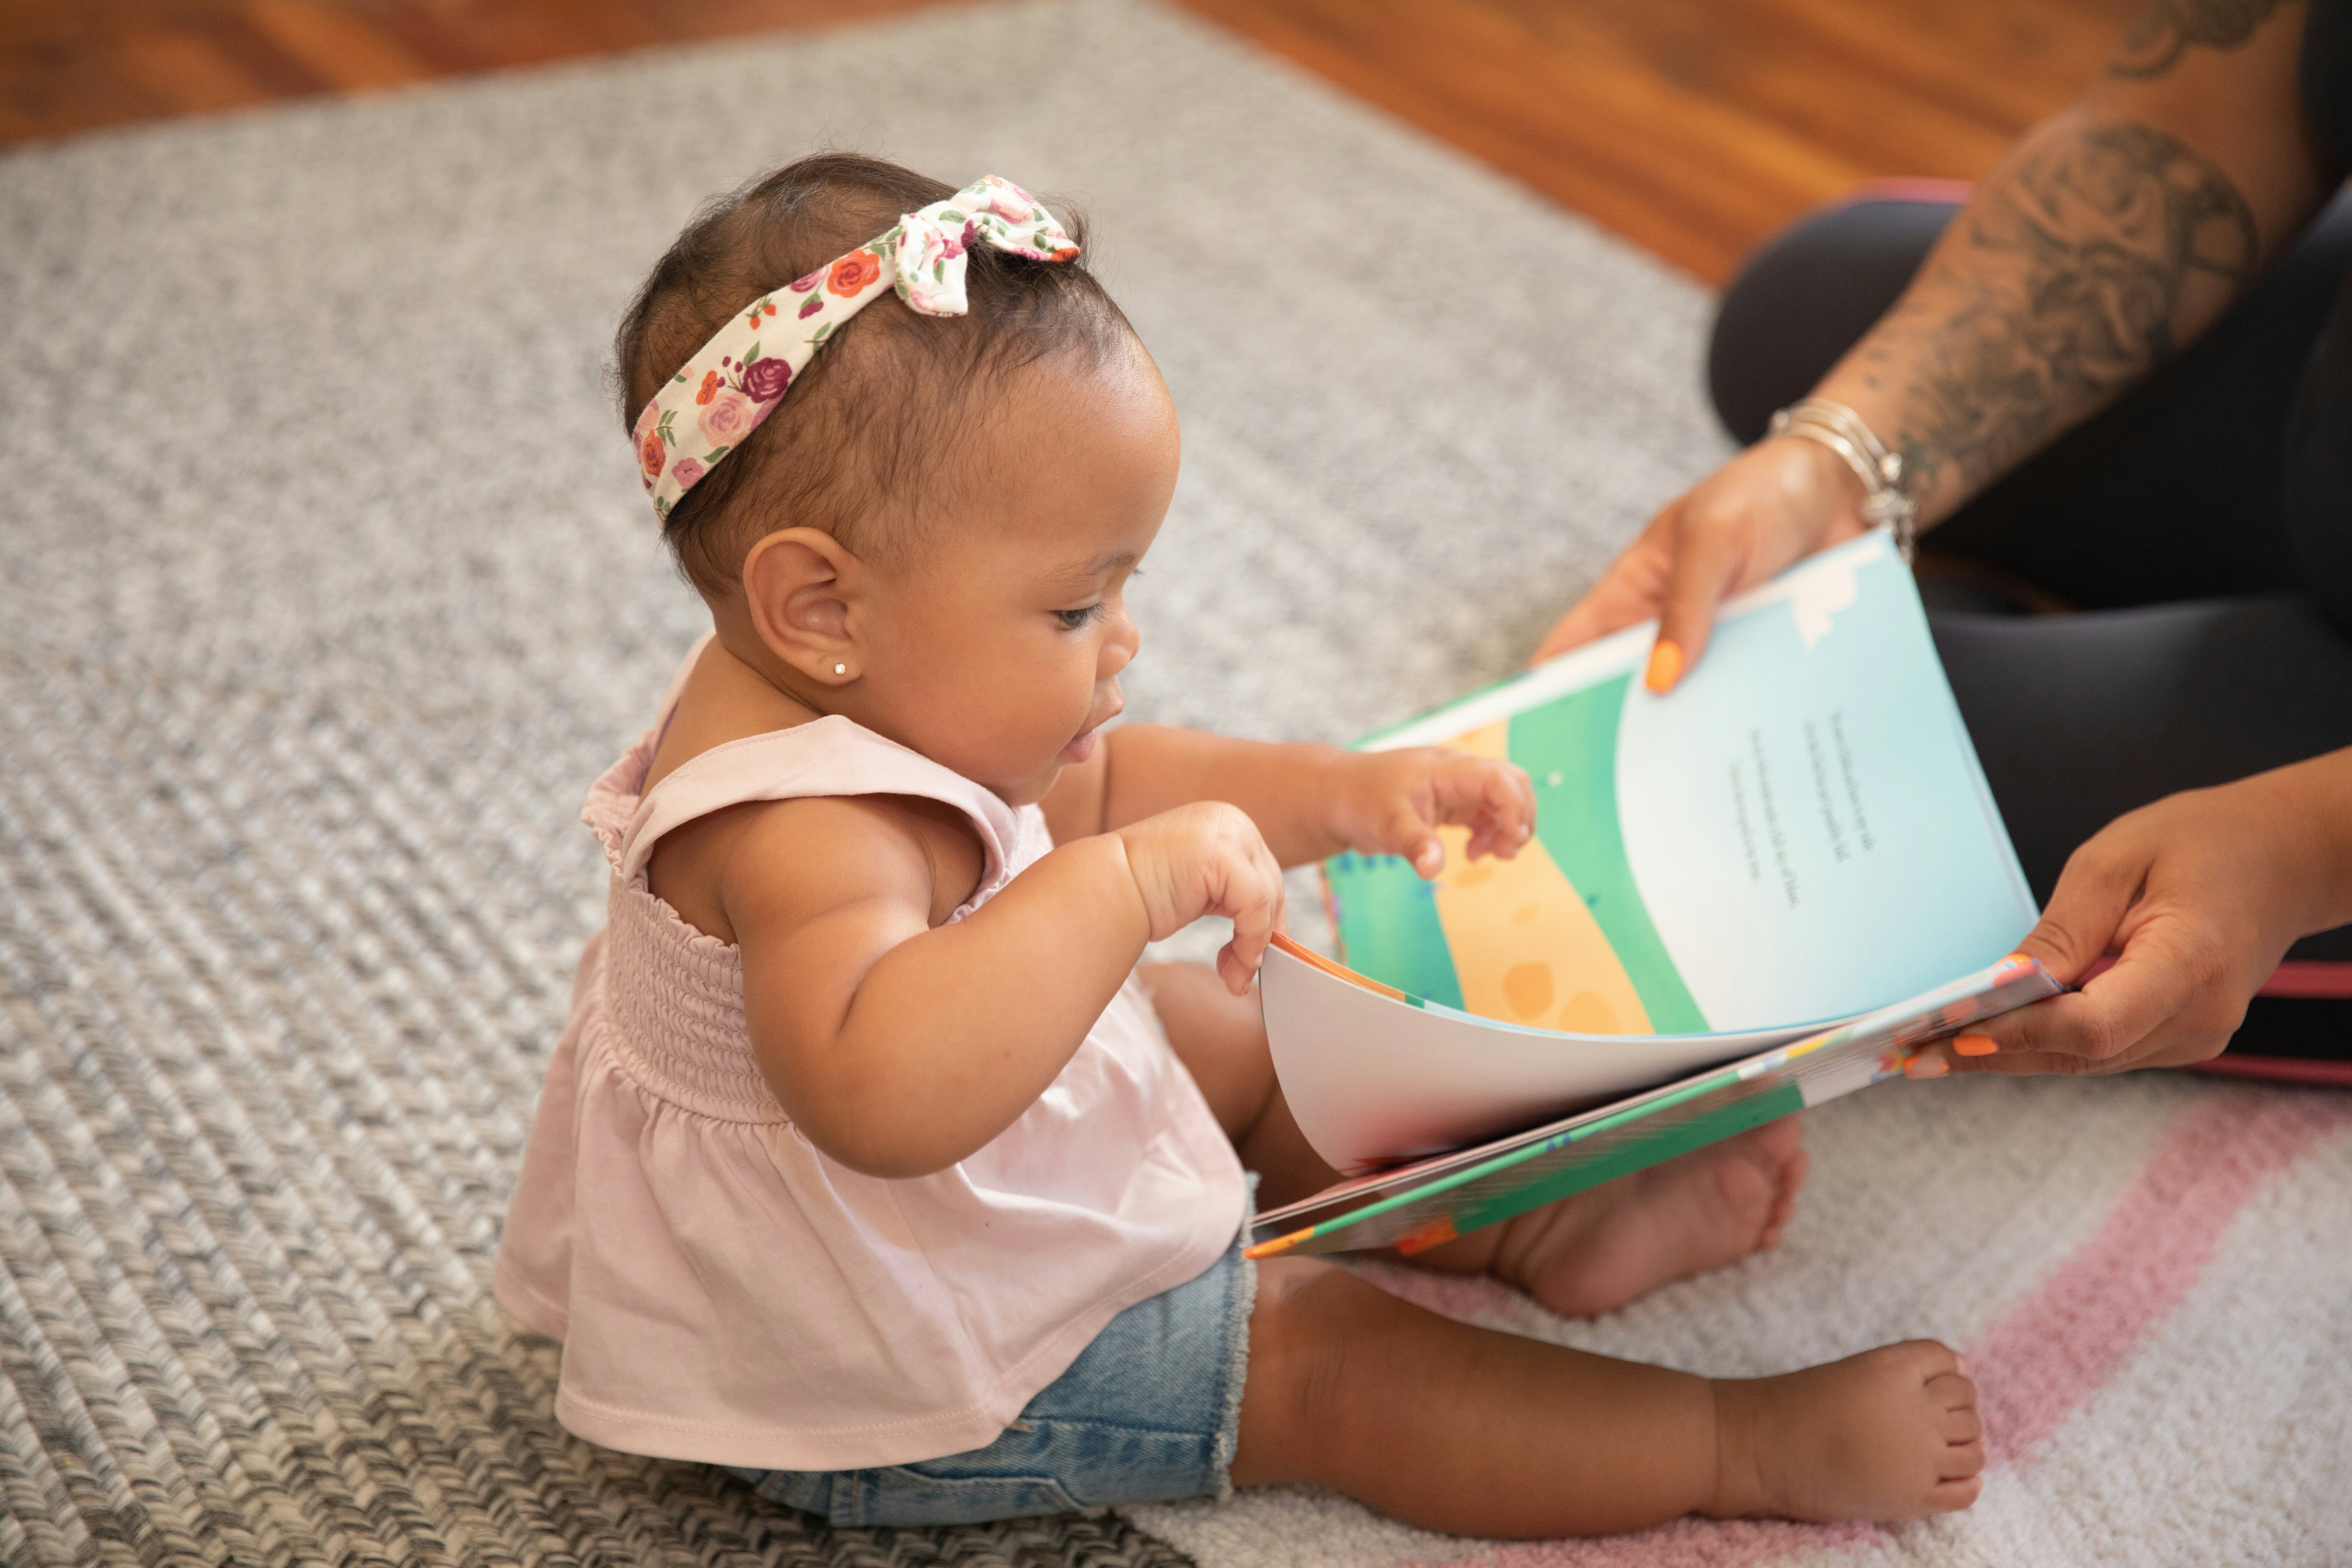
(727, 1292)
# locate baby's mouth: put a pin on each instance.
(1082, 745)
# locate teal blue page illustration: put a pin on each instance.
(1799, 832)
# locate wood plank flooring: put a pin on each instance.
(76, 65)
(1695, 128)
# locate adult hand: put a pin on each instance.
(2199, 895)
(1774, 504)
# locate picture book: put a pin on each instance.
(1433, 1200)
(1786, 861)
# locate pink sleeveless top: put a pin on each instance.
(727, 1293)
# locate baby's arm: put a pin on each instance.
(897, 1045)
(1309, 802)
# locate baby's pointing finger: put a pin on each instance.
(1254, 926)
(1281, 894)
(1497, 813)
(1511, 806)
(1239, 957)
(1258, 904)
(1414, 838)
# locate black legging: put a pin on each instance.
(2204, 523)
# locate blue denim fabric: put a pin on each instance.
(1148, 1412)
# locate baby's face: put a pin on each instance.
(997, 650)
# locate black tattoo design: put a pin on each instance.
(2066, 290)
(2168, 29)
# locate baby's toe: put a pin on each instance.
(1954, 1395)
(1779, 1142)
(1951, 1497)
(1932, 1363)
(1792, 1175)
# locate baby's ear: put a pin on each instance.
(794, 593)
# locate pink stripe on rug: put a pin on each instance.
(1686, 1544)
(2051, 1353)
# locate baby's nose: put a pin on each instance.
(1118, 650)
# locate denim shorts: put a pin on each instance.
(1148, 1412)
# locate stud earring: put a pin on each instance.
(841, 669)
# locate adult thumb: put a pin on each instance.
(2094, 894)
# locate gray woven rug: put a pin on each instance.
(327, 587)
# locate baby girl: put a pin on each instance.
(870, 1164)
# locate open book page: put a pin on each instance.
(1433, 1200)
(1798, 834)
(1375, 1075)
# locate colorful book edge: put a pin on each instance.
(1429, 1202)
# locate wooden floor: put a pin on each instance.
(1698, 127)
(1692, 127)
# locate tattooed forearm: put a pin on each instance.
(2074, 274)
(2170, 28)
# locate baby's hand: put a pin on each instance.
(1392, 802)
(1207, 859)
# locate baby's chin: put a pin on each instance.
(1034, 787)
(1020, 779)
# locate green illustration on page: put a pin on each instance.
(1755, 894)
(1799, 832)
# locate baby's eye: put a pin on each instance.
(1075, 620)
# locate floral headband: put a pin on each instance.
(737, 379)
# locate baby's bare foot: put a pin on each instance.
(1594, 1252)
(1891, 1433)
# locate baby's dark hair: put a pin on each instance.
(869, 424)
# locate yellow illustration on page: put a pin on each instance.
(1526, 948)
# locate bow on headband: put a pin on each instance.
(737, 379)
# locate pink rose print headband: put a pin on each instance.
(737, 378)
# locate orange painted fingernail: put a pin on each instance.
(1926, 1067)
(1666, 667)
(1976, 1045)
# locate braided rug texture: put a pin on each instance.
(328, 586)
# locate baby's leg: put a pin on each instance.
(1582, 1255)
(1594, 1252)
(1479, 1432)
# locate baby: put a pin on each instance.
(869, 1164)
